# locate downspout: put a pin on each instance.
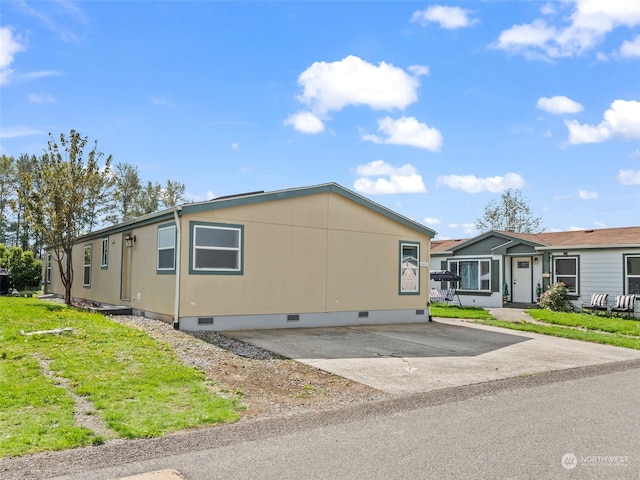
(176, 306)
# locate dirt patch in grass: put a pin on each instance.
(267, 384)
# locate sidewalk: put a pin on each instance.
(510, 314)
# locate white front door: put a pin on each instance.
(521, 283)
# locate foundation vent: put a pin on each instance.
(419, 312)
(293, 318)
(363, 314)
(205, 320)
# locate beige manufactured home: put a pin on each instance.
(312, 256)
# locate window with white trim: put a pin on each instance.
(565, 270)
(632, 275)
(409, 268)
(166, 260)
(217, 248)
(86, 277)
(47, 275)
(104, 255)
(475, 275)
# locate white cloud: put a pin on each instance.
(353, 81)
(41, 97)
(431, 221)
(468, 228)
(559, 105)
(419, 70)
(161, 102)
(9, 46)
(235, 146)
(388, 179)
(447, 17)
(600, 224)
(622, 119)
(39, 74)
(630, 49)
(406, 131)
(473, 184)
(585, 195)
(305, 122)
(629, 177)
(18, 131)
(199, 197)
(590, 21)
(548, 9)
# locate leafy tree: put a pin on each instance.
(511, 213)
(23, 268)
(149, 199)
(59, 197)
(25, 235)
(127, 190)
(172, 194)
(132, 199)
(7, 192)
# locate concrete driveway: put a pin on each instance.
(416, 358)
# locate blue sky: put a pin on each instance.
(432, 109)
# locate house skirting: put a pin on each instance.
(303, 320)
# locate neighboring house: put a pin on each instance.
(498, 266)
(311, 256)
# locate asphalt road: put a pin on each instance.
(581, 423)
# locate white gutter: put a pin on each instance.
(588, 247)
(176, 305)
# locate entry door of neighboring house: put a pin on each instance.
(521, 280)
(125, 281)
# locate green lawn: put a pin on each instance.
(136, 384)
(453, 311)
(578, 326)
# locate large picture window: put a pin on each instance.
(632, 275)
(475, 274)
(86, 277)
(166, 261)
(565, 270)
(217, 248)
(409, 268)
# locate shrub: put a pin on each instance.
(556, 298)
(25, 271)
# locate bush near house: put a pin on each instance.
(25, 271)
(556, 298)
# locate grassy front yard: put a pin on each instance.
(578, 326)
(136, 385)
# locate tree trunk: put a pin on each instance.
(68, 278)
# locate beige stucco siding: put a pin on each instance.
(150, 290)
(302, 254)
(321, 253)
